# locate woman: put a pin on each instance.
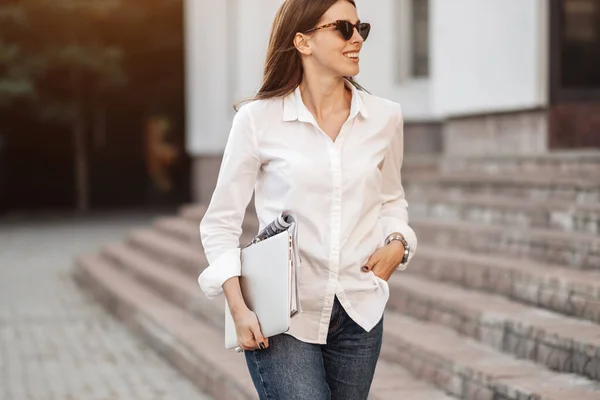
(312, 142)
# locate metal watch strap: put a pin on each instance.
(400, 238)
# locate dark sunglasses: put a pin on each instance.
(346, 28)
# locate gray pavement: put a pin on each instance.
(55, 342)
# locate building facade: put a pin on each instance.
(473, 76)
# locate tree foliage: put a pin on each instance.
(62, 60)
(47, 43)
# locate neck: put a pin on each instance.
(325, 95)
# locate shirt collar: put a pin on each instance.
(294, 108)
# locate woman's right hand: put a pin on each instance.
(248, 330)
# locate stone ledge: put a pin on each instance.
(570, 292)
(179, 228)
(569, 249)
(170, 331)
(169, 250)
(472, 371)
(561, 343)
(175, 334)
(510, 211)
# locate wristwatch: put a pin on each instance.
(402, 265)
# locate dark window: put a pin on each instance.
(420, 38)
(580, 37)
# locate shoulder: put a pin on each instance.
(259, 109)
(381, 107)
(260, 115)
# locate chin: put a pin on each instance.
(350, 71)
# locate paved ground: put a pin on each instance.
(55, 342)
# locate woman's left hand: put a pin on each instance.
(384, 261)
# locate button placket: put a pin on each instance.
(334, 250)
(336, 204)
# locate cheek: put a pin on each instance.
(329, 53)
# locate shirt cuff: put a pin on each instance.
(228, 265)
(406, 231)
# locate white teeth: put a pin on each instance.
(351, 55)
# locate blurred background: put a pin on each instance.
(113, 119)
(119, 103)
(91, 105)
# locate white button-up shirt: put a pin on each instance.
(346, 194)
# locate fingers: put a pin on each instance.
(261, 342)
(253, 342)
(248, 344)
(369, 264)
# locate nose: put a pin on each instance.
(356, 38)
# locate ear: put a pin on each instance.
(301, 42)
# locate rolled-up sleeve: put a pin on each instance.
(394, 210)
(221, 226)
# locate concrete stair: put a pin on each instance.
(193, 346)
(568, 249)
(502, 300)
(503, 210)
(578, 162)
(575, 189)
(122, 274)
(471, 370)
(570, 292)
(559, 342)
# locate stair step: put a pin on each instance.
(504, 210)
(193, 211)
(571, 292)
(188, 232)
(197, 348)
(179, 228)
(191, 294)
(555, 181)
(393, 382)
(561, 343)
(470, 370)
(574, 189)
(420, 164)
(172, 284)
(578, 162)
(189, 259)
(568, 249)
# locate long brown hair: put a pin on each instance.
(283, 67)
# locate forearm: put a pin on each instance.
(233, 293)
(398, 226)
(397, 246)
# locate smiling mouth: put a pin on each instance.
(352, 55)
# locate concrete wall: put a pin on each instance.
(226, 44)
(207, 110)
(385, 58)
(489, 75)
(488, 56)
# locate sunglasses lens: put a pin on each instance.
(346, 29)
(364, 29)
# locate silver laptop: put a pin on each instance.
(269, 284)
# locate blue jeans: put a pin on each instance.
(342, 369)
